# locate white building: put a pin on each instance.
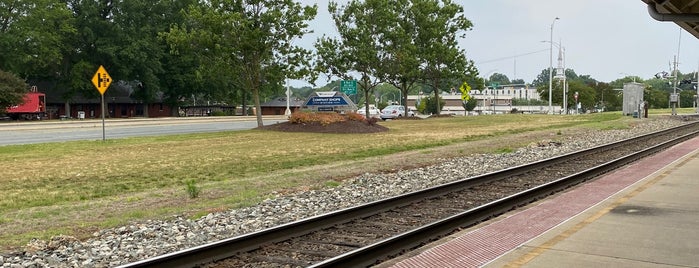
(491, 101)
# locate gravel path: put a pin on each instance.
(117, 246)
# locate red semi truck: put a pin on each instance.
(33, 107)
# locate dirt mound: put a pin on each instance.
(349, 126)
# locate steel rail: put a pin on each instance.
(365, 256)
(371, 254)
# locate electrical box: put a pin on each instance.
(633, 96)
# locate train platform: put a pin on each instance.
(643, 215)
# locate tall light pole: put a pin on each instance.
(551, 66)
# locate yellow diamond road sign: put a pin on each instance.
(101, 80)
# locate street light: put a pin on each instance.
(551, 65)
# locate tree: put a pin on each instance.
(467, 101)
(401, 66)
(387, 92)
(687, 98)
(575, 83)
(607, 98)
(141, 55)
(358, 51)
(518, 81)
(586, 95)
(542, 80)
(34, 36)
(498, 78)
(656, 98)
(442, 22)
(12, 90)
(253, 39)
(427, 105)
(470, 104)
(121, 35)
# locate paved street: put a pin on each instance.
(91, 129)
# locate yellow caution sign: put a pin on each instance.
(101, 80)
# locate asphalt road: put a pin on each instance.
(12, 133)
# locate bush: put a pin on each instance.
(192, 189)
(322, 118)
(355, 117)
(327, 118)
(429, 106)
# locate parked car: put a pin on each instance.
(394, 111)
(373, 111)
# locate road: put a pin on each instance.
(60, 131)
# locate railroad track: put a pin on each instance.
(368, 234)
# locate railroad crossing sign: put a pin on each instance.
(101, 80)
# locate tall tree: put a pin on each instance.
(401, 66)
(542, 80)
(34, 35)
(586, 95)
(518, 81)
(499, 79)
(252, 38)
(12, 90)
(357, 53)
(441, 23)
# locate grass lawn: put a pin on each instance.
(74, 188)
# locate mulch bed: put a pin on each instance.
(349, 126)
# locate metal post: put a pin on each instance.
(565, 85)
(288, 96)
(104, 137)
(674, 88)
(551, 67)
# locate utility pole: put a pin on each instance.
(551, 65)
(674, 99)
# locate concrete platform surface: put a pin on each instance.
(643, 215)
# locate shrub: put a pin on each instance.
(321, 118)
(371, 121)
(192, 189)
(327, 118)
(352, 116)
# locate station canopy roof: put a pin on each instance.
(684, 13)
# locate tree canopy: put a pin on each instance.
(240, 52)
(380, 43)
(12, 90)
(250, 43)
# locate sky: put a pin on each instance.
(605, 39)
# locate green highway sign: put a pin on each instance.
(349, 87)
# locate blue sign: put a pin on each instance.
(326, 101)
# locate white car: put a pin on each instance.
(394, 111)
(373, 111)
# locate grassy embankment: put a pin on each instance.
(74, 188)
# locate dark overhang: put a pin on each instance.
(684, 13)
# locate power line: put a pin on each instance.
(511, 57)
